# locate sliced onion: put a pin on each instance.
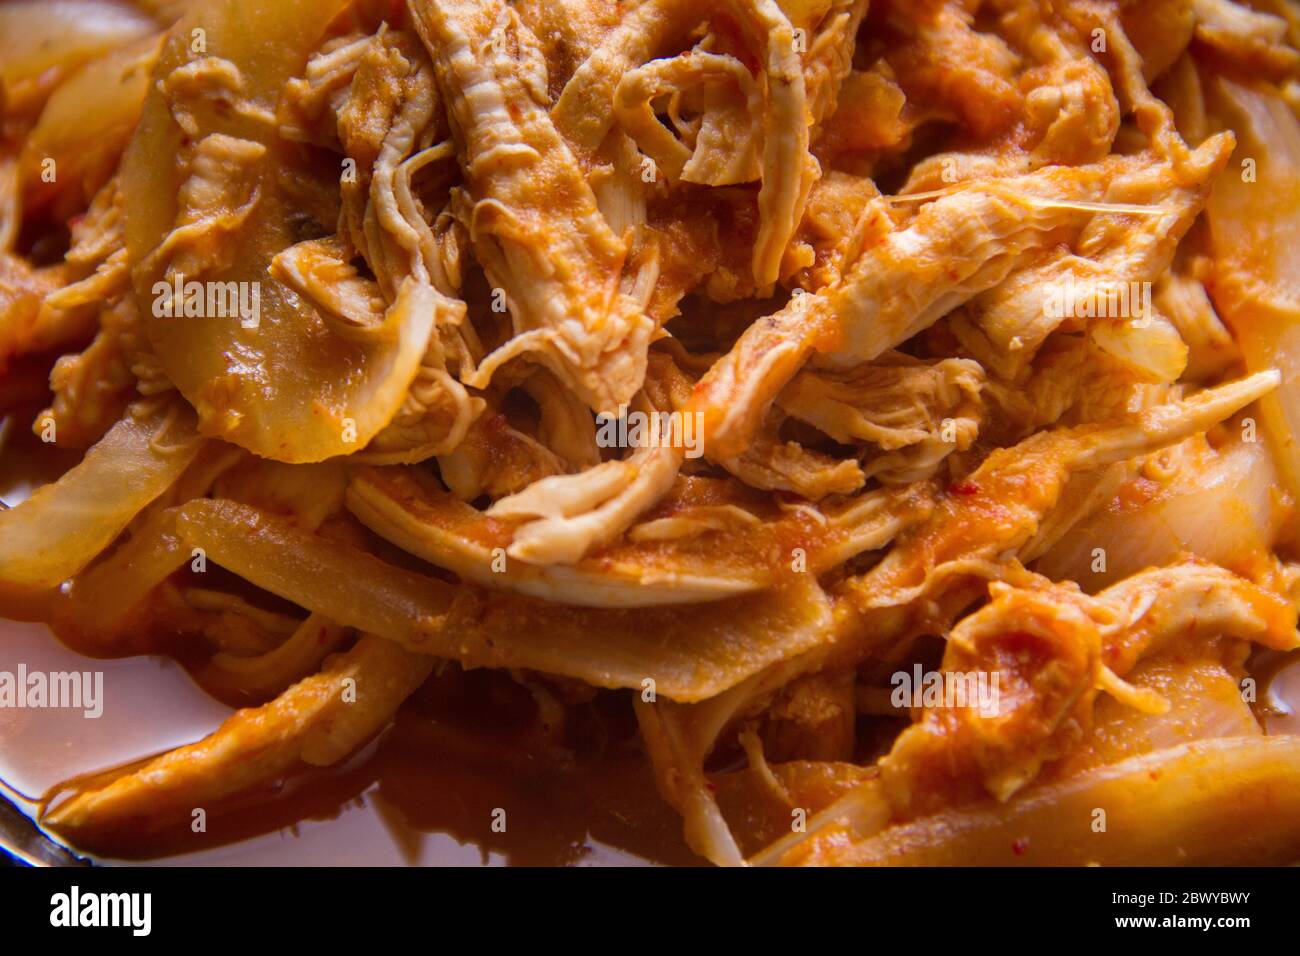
(291, 389)
(36, 35)
(1254, 216)
(63, 526)
(346, 585)
(87, 122)
(1227, 511)
(1233, 801)
(1205, 702)
(688, 653)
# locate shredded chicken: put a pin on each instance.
(559, 283)
(1054, 650)
(724, 357)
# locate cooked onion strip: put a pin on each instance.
(257, 385)
(1256, 278)
(60, 529)
(1167, 808)
(689, 653)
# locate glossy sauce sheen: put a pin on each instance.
(464, 749)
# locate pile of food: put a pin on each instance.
(895, 405)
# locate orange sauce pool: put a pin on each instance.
(431, 774)
(463, 775)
